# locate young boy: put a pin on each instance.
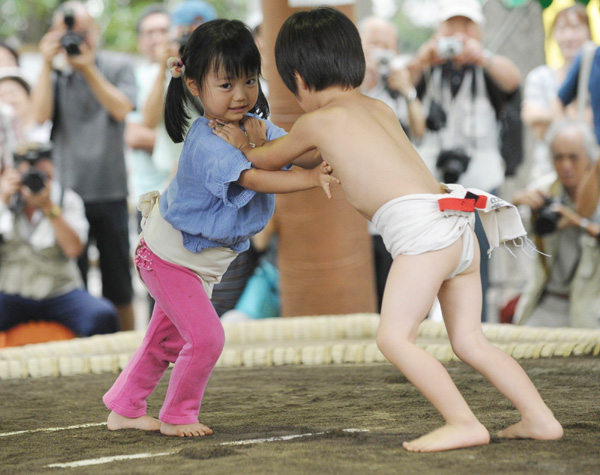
(429, 233)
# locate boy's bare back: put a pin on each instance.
(369, 152)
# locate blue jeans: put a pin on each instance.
(77, 310)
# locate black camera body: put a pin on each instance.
(33, 178)
(452, 163)
(546, 220)
(71, 40)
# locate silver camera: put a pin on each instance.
(449, 47)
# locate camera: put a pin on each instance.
(449, 47)
(33, 178)
(71, 40)
(388, 61)
(452, 163)
(546, 219)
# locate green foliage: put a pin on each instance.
(28, 20)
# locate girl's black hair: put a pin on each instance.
(323, 46)
(216, 45)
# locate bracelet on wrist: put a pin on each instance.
(584, 223)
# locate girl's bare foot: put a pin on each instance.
(116, 421)
(450, 437)
(547, 429)
(185, 430)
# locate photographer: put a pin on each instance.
(87, 94)
(464, 90)
(565, 289)
(387, 77)
(42, 231)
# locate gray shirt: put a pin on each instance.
(89, 148)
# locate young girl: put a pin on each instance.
(427, 228)
(205, 218)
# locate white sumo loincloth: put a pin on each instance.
(414, 224)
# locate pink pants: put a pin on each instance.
(185, 330)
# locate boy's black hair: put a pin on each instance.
(323, 46)
(216, 45)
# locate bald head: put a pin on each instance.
(378, 33)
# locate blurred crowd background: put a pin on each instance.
(499, 95)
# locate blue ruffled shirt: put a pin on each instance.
(203, 200)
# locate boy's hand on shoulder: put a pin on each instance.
(256, 130)
(232, 134)
(323, 177)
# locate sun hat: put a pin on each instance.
(187, 13)
(470, 9)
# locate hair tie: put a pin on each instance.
(176, 67)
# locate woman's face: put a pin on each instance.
(7, 60)
(15, 95)
(570, 33)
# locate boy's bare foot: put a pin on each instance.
(116, 421)
(450, 437)
(547, 429)
(185, 430)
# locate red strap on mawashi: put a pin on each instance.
(468, 203)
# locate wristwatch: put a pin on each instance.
(54, 212)
(584, 223)
(411, 96)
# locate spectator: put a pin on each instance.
(9, 56)
(189, 15)
(589, 194)
(43, 229)
(16, 92)
(88, 99)
(11, 133)
(571, 29)
(565, 289)
(151, 164)
(464, 89)
(387, 77)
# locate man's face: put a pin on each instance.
(154, 30)
(43, 164)
(570, 158)
(460, 25)
(84, 25)
(379, 36)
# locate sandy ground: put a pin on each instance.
(316, 404)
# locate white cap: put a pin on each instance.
(468, 8)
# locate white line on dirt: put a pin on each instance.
(52, 429)
(101, 460)
(116, 458)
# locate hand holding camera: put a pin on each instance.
(10, 184)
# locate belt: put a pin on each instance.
(468, 203)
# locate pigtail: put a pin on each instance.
(176, 116)
(261, 108)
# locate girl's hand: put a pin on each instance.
(323, 177)
(232, 134)
(256, 130)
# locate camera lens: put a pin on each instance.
(34, 179)
(546, 221)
